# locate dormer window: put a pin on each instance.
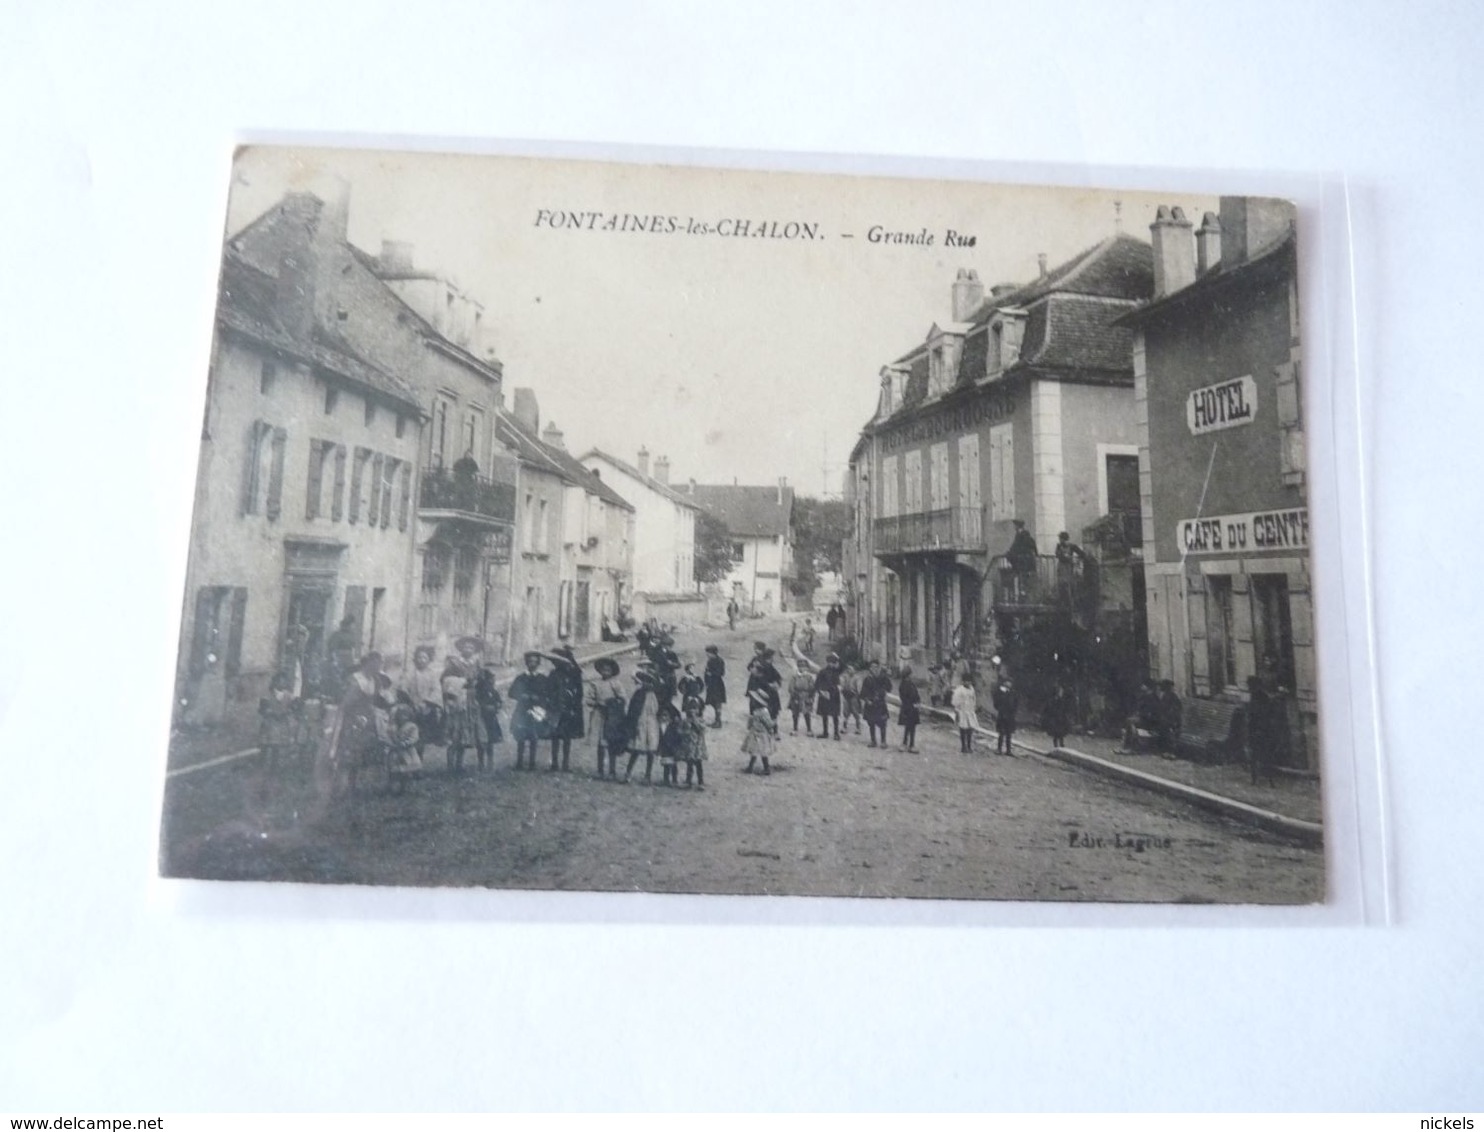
(1006, 330)
(937, 372)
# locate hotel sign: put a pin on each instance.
(1236, 534)
(1224, 405)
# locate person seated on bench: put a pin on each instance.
(1145, 717)
(1168, 713)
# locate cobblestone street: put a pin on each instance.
(835, 818)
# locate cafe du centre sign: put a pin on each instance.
(1234, 534)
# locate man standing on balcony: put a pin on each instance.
(1022, 560)
(465, 476)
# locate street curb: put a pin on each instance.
(1307, 832)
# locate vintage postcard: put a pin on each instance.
(584, 526)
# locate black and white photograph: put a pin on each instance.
(616, 527)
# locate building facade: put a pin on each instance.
(1218, 382)
(664, 544)
(306, 486)
(1017, 411)
(760, 524)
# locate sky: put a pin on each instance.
(740, 358)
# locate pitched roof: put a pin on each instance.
(593, 483)
(648, 481)
(748, 511)
(246, 304)
(1070, 329)
(1275, 256)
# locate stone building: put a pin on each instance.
(1218, 385)
(760, 523)
(305, 513)
(1017, 409)
(664, 546)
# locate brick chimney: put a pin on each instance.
(1174, 250)
(1041, 265)
(644, 461)
(554, 437)
(782, 484)
(968, 293)
(1207, 244)
(1251, 224)
(526, 411)
(662, 470)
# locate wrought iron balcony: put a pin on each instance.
(1043, 583)
(953, 529)
(443, 490)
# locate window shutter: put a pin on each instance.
(316, 479)
(250, 467)
(234, 633)
(406, 496)
(337, 503)
(388, 479)
(202, 630)
(357, 482)
(275, 475)
(373, 512)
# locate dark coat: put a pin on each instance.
(910, 715)
(827, 691)
(716, 685)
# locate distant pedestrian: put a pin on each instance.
(965, 715)
(1056, 719)
(732, 612)
(529, 715)
(1006, 700)
(716, 682)
(827, 697)
(831, 620)
(761, 730)
(874, 689)
(909, 714)
(801, 696)
(1170, 717)
(278, 733)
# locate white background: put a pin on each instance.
(121, 993)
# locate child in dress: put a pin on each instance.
(801, 697)
(694, 748)
(965, 713)
(760, 731)
(404, 761)
(671, 741)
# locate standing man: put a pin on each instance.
(716, 684)
(732, 614)
(1022, 557)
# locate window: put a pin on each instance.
(358, 482)
(373, 512)
(389, 468)
(739, 551)
(266, 377)
(216, 632)
(262, 480)
(465, 573)
(912, 482)
(938, 483)
(401, 425)
(1290, 422)
(435, 568)
(1002, 472)
(319, 451)
(370, 414)
(937, 372)
(541, 526)
(1220, 642)
(440, 432)
(332, 398)
(1272, 628)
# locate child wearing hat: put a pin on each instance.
(761, 730)
(608, 710)
(801, 695)
(529, 716)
